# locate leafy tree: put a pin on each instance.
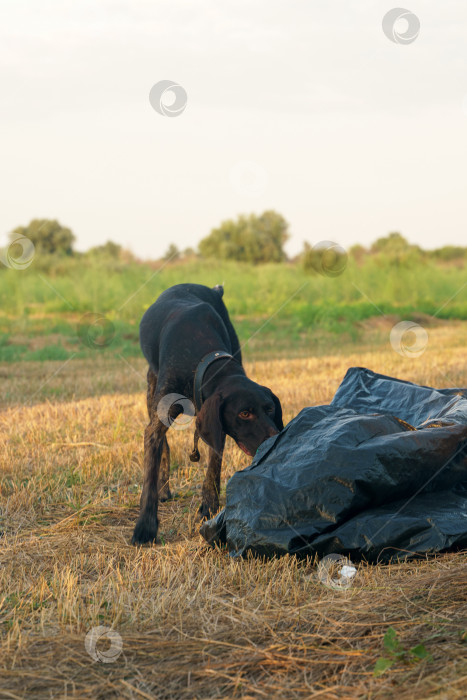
(393, 242)
(108, 250)
(47, 235)
(172, 252)
(449, 252)
(358, 252)
(326, 258)
(189, 253)
(396, 250)
(255, 239)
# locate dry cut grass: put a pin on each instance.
(192, 622)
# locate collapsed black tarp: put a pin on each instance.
(379, 474)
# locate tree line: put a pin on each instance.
(249, 238)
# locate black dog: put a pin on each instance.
(193, 352)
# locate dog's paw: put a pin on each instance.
(145, 531)
(206, 511)
(165, 494)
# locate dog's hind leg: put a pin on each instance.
(164, 472)
(212, 484)
(150, 393)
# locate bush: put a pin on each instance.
(48, 236)
(253, 239)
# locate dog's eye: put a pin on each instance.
(244, 415)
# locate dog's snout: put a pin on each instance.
(270, 432)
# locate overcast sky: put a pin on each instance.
(303, 107)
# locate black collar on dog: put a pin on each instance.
(201, 369)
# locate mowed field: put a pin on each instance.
(190, 621)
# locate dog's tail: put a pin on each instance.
(219, 288)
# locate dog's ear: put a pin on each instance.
(278, 412)
(209, 424)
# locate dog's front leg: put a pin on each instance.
(212, 484)
(147, 523)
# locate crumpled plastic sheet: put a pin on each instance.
(380, 474)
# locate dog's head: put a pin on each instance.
(246, 411)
